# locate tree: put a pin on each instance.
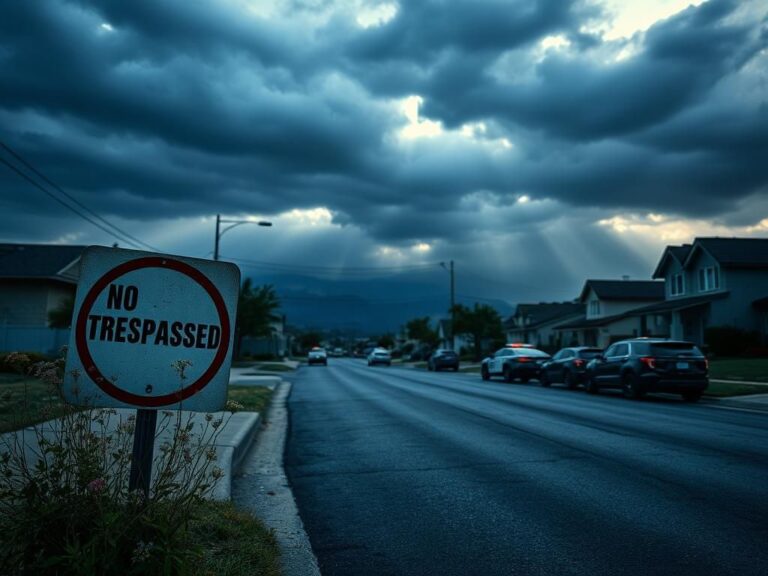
(419, 329)
(309, 339)
(255, 312)
(481, 324)
(61, 315)
(386, 341)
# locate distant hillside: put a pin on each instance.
(362, 306)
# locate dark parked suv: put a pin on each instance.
(568, 366)
(645, 365)
(443, 359)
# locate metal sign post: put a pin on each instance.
(143, 450)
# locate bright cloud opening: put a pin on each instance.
(372, 16)
(555, 42)
(421, 247)
(417, 128)
(313, 217)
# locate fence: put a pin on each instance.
(40, 339)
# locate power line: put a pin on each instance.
(115, 231)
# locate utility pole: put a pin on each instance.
(453, 303)
(216, 245)
(453, 311)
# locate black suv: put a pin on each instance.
(645, 365)
(568, 366)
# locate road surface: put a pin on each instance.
(405, 472)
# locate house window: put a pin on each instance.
(709, 278)
(594, 308)
(677, 284)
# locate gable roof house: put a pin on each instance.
(713, 282)
(607, 317)
(34, 279)
(536, 323)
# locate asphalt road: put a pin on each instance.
(405, 472)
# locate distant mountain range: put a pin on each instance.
(363, 307)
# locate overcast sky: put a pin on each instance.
(534, 142)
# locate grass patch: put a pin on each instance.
(754, 369)
(233, 542)
(273, 367)
(722, 390)
(253, 398)
(25, 401)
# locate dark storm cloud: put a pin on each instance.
(422, 30)
(200, 107)
(576, 97)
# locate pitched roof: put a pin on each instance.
(624, 289)
(543, 313)
(734, 252)
(679, 253)
(37, 260)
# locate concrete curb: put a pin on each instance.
(262, 488)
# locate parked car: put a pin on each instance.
(317, 355)
(514, 361)
(568, 366)
(336, 353)
(379, 356)
(443, 359)
(643, 365)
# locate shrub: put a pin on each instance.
(65, 505)
(729, 340)
(13, 367)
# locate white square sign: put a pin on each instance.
(151, 331)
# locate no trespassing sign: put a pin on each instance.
(137, 316)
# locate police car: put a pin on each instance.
(514, 361)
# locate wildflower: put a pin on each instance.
(217, 473)
(232, 406)
(187, 456)
(216, 423)
(96, 486)
(183, 437)
(181, 366)
(208, 417)
(210, 454)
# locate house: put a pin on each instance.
(607, 317)
(35, 279)
(537, 323)
(712, 282)
(444, 332)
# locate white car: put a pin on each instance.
(379, 356)
(317, 355)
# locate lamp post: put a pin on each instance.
(232, 224)
(453, 304)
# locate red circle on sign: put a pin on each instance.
(152, 401)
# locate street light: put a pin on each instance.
(453, 305)
(233, 223)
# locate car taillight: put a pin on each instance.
(706, 363)
(649, 362)
(523, 359)
(578, 363)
